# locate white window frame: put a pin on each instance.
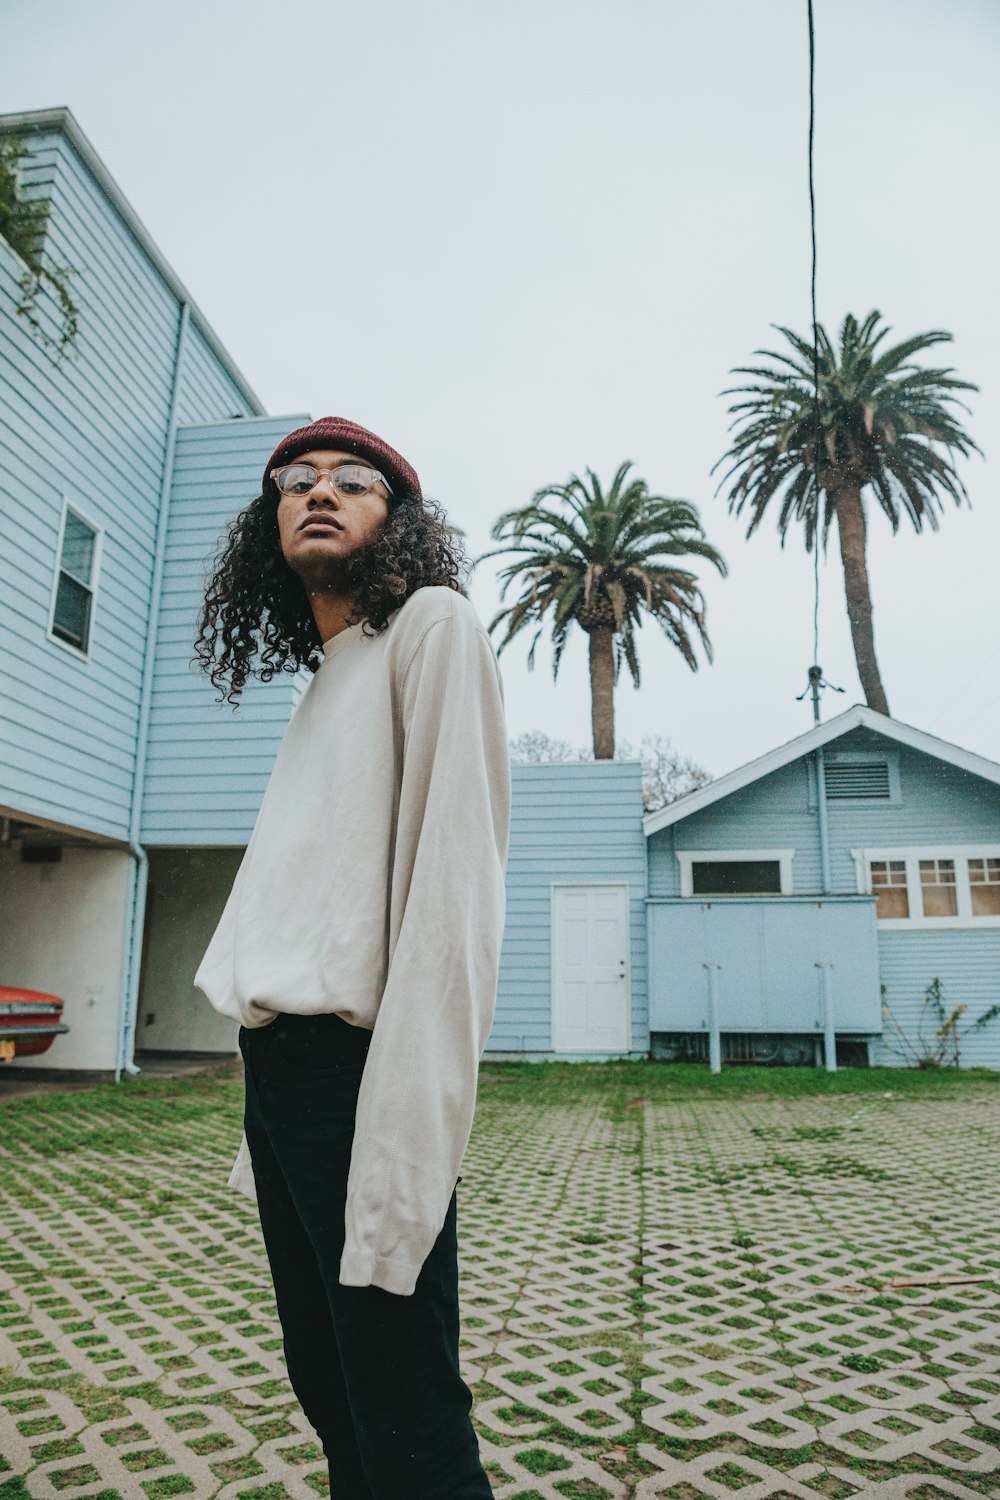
(57, 640)
(911, 855)
(783, 857)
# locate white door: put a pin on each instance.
(590, 947)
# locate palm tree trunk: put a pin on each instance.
(602, 692)
(851, 530)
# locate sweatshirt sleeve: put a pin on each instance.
(446, 917)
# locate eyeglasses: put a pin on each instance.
(351, 481)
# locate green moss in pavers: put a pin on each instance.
(124, 1372)
(73, 1479)
(186, 1421)
(830, 1485)
(599, 1387)
(540, 1461)
(685, 1419)
(581, 1489)
(231, 1469)
(210, 1442)
(725, 1408)
(560, 1395)
(930, 1413)
(265, 1492)
(275, 1427)
(519, 1415)
(116, 1436)
(565, 1368)
(686, 1492)
(524, 1377)
(35, 1426)
(23, 1403)
(732, 1476)
(770, 1428)
(141, 1459)
(195, 1382)
(527, 1495)
(844, 1403)
(170, 1484)
(862, 1439)
(958, 1451)
(46, 1453)
(896, 1424)
(302, 1453)
(319, 1481)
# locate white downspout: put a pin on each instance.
(135, 920)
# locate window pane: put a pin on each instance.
(71, 619)
(888, 872)
(892, 901)
(937, 887)
(78, 548)
(986, 900)
(984, 882)
(736, 877)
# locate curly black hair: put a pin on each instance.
(256, 605)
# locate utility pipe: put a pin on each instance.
(139, 867)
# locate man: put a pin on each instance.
(359, 946)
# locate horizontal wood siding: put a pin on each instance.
(939, 804)
(968, 966)
(576, 822)
(207, 765)
(98, 425)
(773, 813)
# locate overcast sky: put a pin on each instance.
(520, 238)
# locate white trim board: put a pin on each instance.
(858, 717)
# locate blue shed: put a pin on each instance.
(830, 882)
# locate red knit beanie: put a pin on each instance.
(347, 437)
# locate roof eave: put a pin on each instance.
(63, 120)
(857, 717)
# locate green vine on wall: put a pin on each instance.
(23, 223)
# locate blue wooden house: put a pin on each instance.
(775, 911)
(827, 885)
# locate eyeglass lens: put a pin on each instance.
(348, 480)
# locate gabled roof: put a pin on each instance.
(63, 121)
(858, 717)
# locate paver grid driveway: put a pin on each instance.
(672, 1287)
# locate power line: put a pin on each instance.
(815, 329)
(817, 682)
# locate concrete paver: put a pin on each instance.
(662, 1300)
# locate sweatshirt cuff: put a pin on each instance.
(398, 1276)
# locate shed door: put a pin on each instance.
(590, 947)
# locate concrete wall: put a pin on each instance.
(62, 930)
(188, 889)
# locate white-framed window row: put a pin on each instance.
(735, 872)
(932, 886)
(74, 586)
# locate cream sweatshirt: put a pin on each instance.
(373, 887)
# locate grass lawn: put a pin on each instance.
(776, 1281)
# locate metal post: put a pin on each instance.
(714, 1039)
(823, 823)
(829, 1035)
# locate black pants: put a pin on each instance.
(376, 1374)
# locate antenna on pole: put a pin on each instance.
(817, 682)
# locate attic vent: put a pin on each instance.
(858, 778)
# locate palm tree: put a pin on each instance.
(883, 423)
(598, 560)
